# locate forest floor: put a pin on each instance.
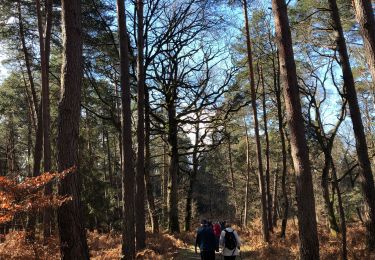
(181, 246)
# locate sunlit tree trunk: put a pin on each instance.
(285, 201)
(38, 147)
(44, 47)
(366, 177)
(262, 186)
(267, 153)
(245, 217)
(365, 17)
(309, 244)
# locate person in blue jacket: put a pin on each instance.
(206, 241)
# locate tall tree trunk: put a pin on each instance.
(267, 153)
(275, 198)
(29, 102)
(44, 47)
(309, 244)
(327, 201)
(69, 215)
(245, 217)
(149, 190)
(231, 170)
(38, 148)
(164, 184)
(172, 198)
(344, 250)
(128, 178)
(189, 196)
(107, 146)
(192, 180)
(285, 201)
(27, 62)
(119, 138)
(140, 215)
(365, 17)
(366, 177)
(262, 185)
(29, 143)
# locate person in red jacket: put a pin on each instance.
(206, 241)
(217, 231)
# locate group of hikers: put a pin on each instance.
(213, 236)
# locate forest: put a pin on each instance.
(125, 124)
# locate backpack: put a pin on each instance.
(230, 240)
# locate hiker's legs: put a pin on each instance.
(212, 255)
(208, 255)
(229, 257)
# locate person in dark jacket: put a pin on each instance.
(206, 241)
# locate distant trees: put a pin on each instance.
(165, 121)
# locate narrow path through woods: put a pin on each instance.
(284, 249)
(188, 252)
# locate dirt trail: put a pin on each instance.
(189, 253)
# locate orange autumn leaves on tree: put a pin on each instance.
(28, 195)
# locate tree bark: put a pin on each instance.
(366, 177)
(192, 180)
(275, 198)
(231, 170)
(149, 190)
(267, 153)
(27, 63)
(38, 147)
(284, 192)
(344, 250)
(365, 17)
(309, 244)
(262, 185)
(189, 197)
(245, 217)
(128, 178)
(164, 184)
(327, 201)
(69, 215)
(172, 194)
(44, 48)
(140, 214)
